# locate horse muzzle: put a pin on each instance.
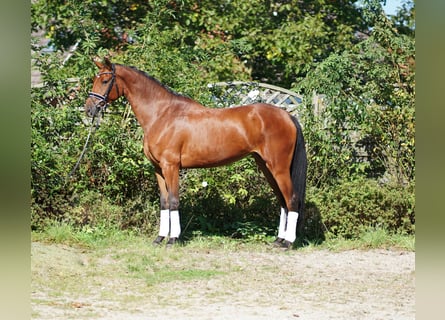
(94, 105)
(91, 109)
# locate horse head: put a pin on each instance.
(105, 88)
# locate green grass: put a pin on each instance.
(86, 236)
(157, 265)
(180, 275)
(97, 237)
(371, 238)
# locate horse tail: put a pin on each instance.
(299, 170)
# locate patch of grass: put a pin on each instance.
(372, 238)
(155, 265)
(105, 236)
(379, 238)
(199, 241)
(85, 236)
(180, 275)
(56, 232)
(203, 242)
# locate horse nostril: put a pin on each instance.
(89, 112)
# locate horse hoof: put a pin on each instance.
(158, 240)
(287, 245)
(171, 242)
(278, 242)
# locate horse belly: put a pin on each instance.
(214, 149)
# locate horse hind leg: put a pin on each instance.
(289, 216)
(280, 239)
(279, 173)
(270, 178)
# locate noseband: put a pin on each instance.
(103, 98)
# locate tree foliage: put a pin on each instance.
(361, 61)
(267, 40)
(369, 103)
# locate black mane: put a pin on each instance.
(145, 74)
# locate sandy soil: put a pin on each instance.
(74, 283)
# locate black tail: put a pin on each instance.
(298, 170)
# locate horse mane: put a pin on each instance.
(146, 75)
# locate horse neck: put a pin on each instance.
(148, 98)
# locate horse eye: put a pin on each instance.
(105, 81)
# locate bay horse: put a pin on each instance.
(181, 133)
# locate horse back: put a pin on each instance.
(206, 137)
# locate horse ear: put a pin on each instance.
(108, 63)
(98, 62)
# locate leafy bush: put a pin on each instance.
(365, 122)
(351, 207)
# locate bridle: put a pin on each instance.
(103, 103)
(98, 108)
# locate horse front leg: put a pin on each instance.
(164, 223)
(171, 176)
(168, 182)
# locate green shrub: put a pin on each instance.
(351, 207)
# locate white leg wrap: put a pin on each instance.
(175, 228)
(291, 230)
(282, 226)
(164, 227)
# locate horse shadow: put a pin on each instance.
(311, 230)
(212, 216)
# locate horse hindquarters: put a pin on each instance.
(284, 158)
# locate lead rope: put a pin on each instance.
(93, 126)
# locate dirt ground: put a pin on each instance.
(201, 283)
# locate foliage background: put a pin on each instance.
(361, 61)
